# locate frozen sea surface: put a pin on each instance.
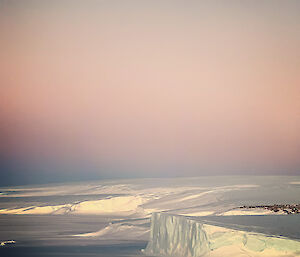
(122, 250)
(44, 235)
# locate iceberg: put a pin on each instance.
(181, 236)
(9, 242)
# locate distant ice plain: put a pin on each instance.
(114, 215)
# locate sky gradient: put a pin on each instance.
(99, 89)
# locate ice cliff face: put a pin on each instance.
(176, 236)
(180, 236)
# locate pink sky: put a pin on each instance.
(213, 86)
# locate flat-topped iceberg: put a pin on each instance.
(181, 236)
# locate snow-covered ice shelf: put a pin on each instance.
(173, 235)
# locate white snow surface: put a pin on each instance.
(128, 199)
(120, 231)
